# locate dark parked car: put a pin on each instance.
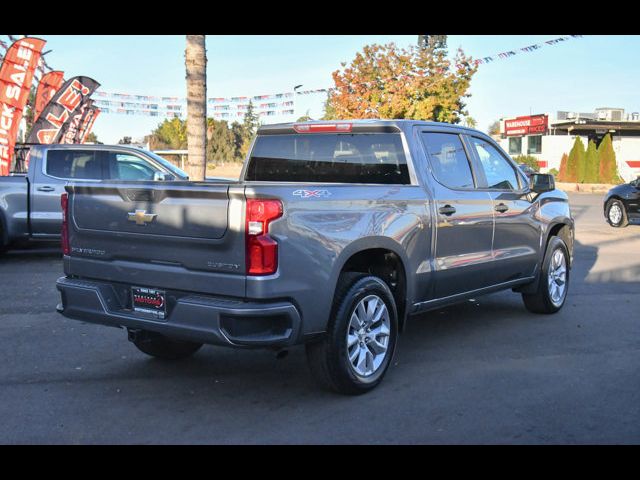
(622, 204)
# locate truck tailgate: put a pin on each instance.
(178, 235)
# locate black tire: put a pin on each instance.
(328, 358)
(624, 220)
(163, 347)
(541, 301)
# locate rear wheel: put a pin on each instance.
(553, 285)
(163, 347)
(616, 213)
(354, 355)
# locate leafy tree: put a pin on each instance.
(576, 158)
(554, 172)
(124, 141)
(384, 81)
(304, 118)
(93, 138)
(527, 160)
(592, 164)
(562, 174)
(494, 128)
(250, 124)
(238, 132)
(329, 110)
(221, 146)
(170, 134)
(608, 169)
(470, 122)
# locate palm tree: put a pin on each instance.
(196, 66)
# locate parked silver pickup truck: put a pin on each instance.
(335, 235)
(30, 201)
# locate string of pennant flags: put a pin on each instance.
(234, 108)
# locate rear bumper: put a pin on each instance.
(199, 318)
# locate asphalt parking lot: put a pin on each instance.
(485, 371)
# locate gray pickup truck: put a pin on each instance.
(30, 200)
(335, 234)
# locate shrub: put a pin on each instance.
(554, 172)
(591, 164)
(576, 160)
(562, 174)
(608, 170)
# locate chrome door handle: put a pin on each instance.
(447, 210)
(501, 207)
(46, 189)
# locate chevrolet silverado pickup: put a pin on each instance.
(30, 197)
(335, 234)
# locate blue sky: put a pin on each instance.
(577, 75)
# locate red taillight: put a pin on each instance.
(322, 127)
(262, 250)
(64, 203)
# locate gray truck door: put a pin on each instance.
(516, 240)
(464, 217)
(59, 166)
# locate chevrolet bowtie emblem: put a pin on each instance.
(141, 217)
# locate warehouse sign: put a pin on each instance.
(529, 125)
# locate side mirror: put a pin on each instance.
(162, 177)
(541, 182)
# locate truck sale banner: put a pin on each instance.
(49, 84)
(16, 77)
(87, 122)
(70, 132)
(65, 103)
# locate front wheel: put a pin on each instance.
(355, 353)
(616, 214)
(553, 284)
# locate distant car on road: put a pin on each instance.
(622, 204)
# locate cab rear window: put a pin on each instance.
(329, 158)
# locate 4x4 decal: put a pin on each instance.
(311, 193)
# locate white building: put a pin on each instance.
(547, 138)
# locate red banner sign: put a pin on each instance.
(58, 112)
(528, 125)
(49, 84)
(16, 76)
(87, 122)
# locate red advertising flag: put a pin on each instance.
(59, 111)
(49, 84)
(91, 119)
(70, 132)
(16, 76)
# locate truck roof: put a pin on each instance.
(363, 125)
(82, 146)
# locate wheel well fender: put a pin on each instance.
(384, 258)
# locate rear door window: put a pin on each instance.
(448, 159)
(331, 158)
(499, 172)
(74, 164)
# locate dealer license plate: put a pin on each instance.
(149, 300)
